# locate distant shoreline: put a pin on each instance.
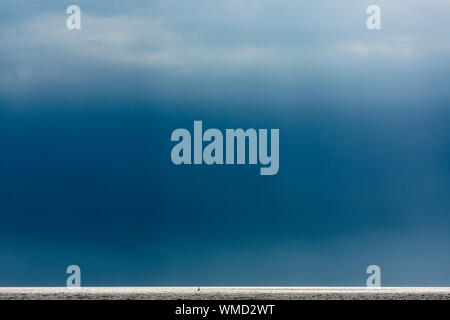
(225, 293)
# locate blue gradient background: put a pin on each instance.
(86, 118)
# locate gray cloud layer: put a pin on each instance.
(223, 35)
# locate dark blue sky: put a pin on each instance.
(85, 123)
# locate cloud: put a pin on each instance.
(395, 47)
(137, 41)
(213, 36)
